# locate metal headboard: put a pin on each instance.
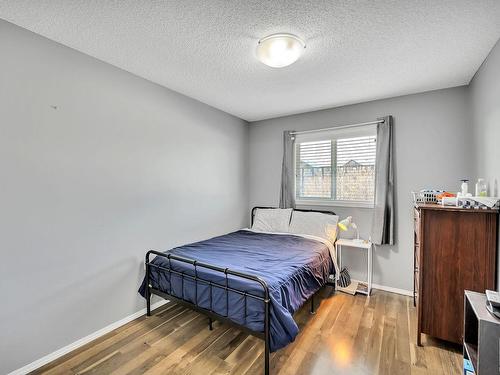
(295, 209)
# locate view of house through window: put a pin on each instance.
(336, 169)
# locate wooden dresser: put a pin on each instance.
(455, 249)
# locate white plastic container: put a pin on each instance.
(481, 188)
(464, 187)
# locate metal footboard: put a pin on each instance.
(212, 315)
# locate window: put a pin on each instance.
(336, 167)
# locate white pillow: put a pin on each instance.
(314, 224)
(272, 219)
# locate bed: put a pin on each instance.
(251, 279)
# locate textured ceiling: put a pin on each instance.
(356, 50)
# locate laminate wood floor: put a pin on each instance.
(348, 335)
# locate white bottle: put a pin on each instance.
(465, 187)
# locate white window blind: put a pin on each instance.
(338, 166)
(314, 169)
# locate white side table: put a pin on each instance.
(364, 245)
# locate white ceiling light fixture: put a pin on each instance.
(280, 50)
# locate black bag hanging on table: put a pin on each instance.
(345, 278)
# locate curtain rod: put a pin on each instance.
(338, 127)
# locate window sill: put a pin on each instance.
(306, 202)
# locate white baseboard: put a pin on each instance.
(85, 340)
(390, 289)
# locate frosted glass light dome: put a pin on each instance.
(280, 50)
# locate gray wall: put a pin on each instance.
(485, 99)
(433, 148)
(121, 166)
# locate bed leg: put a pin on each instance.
(266, 339)
(210, 326)
(148, 291)
(313, 310)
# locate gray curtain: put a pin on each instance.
(383, 213)
(287, 192)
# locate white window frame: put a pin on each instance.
(358, 131)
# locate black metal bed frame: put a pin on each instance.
(212, 315)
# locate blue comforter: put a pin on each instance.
(293, 267)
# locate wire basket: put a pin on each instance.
(426, 196)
